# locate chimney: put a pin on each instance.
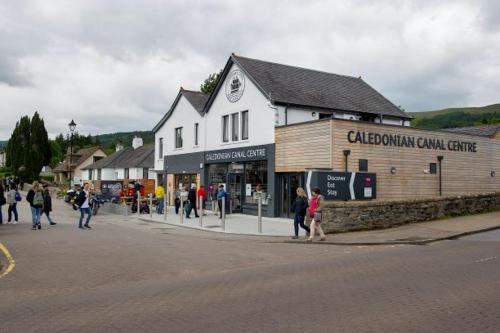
(119, 146)
(137, 142)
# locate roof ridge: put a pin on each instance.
(298, 67)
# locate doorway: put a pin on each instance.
(289, 182)
(235, 189)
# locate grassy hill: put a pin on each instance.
(108, 140)
(457, 117)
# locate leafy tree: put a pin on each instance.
(209, 84)
(28, 149)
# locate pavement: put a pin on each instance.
(129, 275)
(414, 233)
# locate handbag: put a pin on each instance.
(317, 217)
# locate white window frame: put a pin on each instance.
(235, 127)
(225, 128)
(176, 137)
(160, 148)
(196, 134)
(242, 125)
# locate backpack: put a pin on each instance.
(38, 199)
(18, 196)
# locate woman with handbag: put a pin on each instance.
(316, 211)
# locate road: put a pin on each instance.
(127, 275)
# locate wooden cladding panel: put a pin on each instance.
(301, 147)
(321, 144)
(462, 172)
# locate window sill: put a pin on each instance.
(176, 149)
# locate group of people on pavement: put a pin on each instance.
(38, 197)
(308, 213)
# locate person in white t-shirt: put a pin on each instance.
(83, 201)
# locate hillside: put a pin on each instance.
(108, 140)
(457, 117)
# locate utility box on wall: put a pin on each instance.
(342, 185)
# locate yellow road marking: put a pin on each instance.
(12, 262)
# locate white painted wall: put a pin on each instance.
(261, 117)
(184, 115)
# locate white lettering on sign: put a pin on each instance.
(235, 155)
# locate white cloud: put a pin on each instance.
(117, 65)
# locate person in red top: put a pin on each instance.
(201, 193)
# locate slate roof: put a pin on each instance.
(196, 98)
(78, 158)
(485, 131)
(290, 85)
(142, 157)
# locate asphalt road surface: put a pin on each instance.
(126, 275)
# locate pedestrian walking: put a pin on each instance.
(35, 199)
(299, 208)
(221, 195)
(2, 201)
(83, 202)
(177, 200)
(213, 193)
(160, 194)
(316, 214)
(13, 197)
(47, 204)
(201, 195)
(192, 202)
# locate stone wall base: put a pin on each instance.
(358, 215)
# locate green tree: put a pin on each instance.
(209, 84)
(28, 149)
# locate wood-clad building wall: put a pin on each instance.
(320, 144)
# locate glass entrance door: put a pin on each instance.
(235, 190)
(289, 182)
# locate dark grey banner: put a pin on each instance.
(343, 185)
(253, 153)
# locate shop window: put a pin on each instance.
(256, 182)
(235, 126)
(216, 176)
(432, 168)
(244, 125)
(196, 126)
(126, 174)
(363, 165)
(178, 137)
(160, 148)
(225, 128)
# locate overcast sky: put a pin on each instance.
(117, 65)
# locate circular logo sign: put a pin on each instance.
(235, 84)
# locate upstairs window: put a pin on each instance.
(160, 148)
(90, 174)
(144, 173)
(244, 125)
(235, 122)
(196, 126)
(178, 137)
(225, 128)
(126, 174)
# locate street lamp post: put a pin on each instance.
(72, 126)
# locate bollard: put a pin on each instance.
(200, 213)
(165, 202)
(223, 220)
(138, 203)
(259, 215)
(151, 205)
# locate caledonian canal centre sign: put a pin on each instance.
(398, 140)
